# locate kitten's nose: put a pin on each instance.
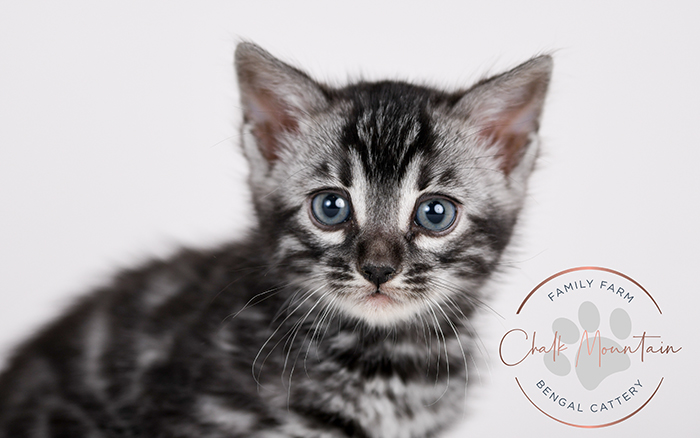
(378, 274)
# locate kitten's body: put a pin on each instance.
(307, 328)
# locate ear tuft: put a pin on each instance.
(275, 97)
(505, 109)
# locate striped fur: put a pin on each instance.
(282, 334)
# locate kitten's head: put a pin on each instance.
(385, 200)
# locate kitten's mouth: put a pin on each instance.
(379, 297)
(382, 307)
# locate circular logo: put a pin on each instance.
(588, 349)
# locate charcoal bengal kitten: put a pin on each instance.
(382, 208)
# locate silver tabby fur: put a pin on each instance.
(281, 334)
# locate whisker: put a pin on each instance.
(475, 301)
(464, 321)
(318, 322)
(257, 356)
(291, 371)
(464, 357)
(292, 299)
(428, 343)
(273, 291)
(447, 357)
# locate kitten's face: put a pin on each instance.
(387, 202)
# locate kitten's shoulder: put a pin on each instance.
(126, 325)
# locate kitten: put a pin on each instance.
(382, 208)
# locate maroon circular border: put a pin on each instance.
(587, 268)
(593, 426)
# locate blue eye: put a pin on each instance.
(330, 208)
(436, 214)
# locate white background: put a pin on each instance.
(118, 125)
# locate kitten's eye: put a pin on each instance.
(330, 208)
(436, 214)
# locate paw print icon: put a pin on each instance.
(592, 356)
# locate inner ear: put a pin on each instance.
(511, 134)
(505, 110)
(270, 119)
(276, 98)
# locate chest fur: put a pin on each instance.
(380, 406)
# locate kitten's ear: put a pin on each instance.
(275, 97)
(505, 109)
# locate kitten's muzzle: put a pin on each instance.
(379, 257)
